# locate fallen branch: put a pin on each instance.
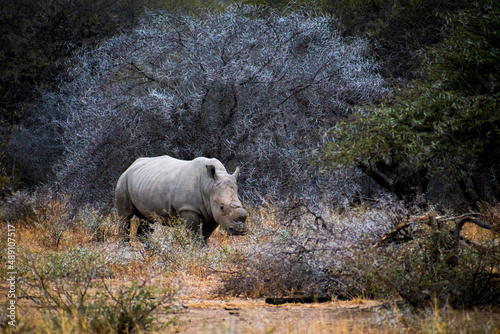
(469, 219)
(389, 236)
(430, 220)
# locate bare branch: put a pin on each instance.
(431, 220)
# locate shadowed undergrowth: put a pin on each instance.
(77, 275)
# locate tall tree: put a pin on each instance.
(446, 126)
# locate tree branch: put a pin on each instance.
(379, 179)
(430, 220)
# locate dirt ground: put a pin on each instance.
(197, 309)
(199, 312)
(255, 316)
(238, 315)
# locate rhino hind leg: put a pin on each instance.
(124, 226)
(144, 227)
(124, 222)
(126, 211)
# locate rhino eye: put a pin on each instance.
(222, 208)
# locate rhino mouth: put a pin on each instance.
(237, 231)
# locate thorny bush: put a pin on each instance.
(77, 288)
(248, 86)
(308, 251)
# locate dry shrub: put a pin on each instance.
(306, 251)
(19, 207)
(435, 264)
(491, 215)
(97, 226)
(77, 289)
(130, 308)
(51, 213)
(438, 319)
(89, 281)
(55, 218)
(179, 249)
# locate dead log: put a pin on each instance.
(297, 300)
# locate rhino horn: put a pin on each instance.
(236, 172)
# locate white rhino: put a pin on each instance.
(200, 191)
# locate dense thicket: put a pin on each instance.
(248, 87)
(398, 30)
(442, 130)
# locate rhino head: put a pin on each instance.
(226, 207)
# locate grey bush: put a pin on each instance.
(313, 252)
(249, 86)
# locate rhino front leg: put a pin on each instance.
(207, 229)
(194, 223)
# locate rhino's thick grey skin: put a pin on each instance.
(200, 191)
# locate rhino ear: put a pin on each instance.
(211, 172)
(236, 172)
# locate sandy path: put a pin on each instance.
(255, 316)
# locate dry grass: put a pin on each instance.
(188, 277)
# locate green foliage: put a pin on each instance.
(468, 61)
(445, 125)
(398, 29)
